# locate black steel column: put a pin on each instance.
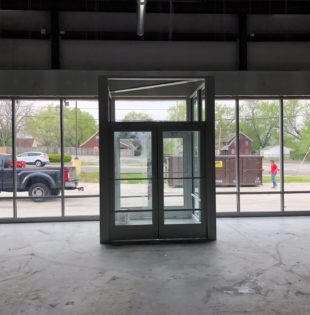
(281, 125)
(243, 49)
(62, 160)
(55, 60)
(13, 111)
(210, 157)
(104, 159)
(237, 153)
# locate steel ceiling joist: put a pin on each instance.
(179, 6)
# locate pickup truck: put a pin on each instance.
(39, 182)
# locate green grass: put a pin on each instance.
(135, 178)
(288, 179)
(89, 177)
(93, 177)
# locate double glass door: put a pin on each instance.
(158, 183)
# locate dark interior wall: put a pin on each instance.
(278, 23)
(223, 54)
(24, 54)
(279, 56)
(161, 22)
(85, 83)
(24, 20)
(128, 55)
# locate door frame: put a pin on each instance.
(125, 232)
(157, 230)
(183, 231)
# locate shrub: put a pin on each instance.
(55, 157)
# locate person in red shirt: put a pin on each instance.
(273, 172)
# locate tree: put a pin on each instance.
(303, 145)
(177, 112)
(44, 126)
(225, 123)
(86, 127)
(22, 111)
(259, 120)
(136, 116)
(297, 126)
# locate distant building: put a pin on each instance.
(126, 145)
(26, 143)
(92, 142)
(229, 145)
(274, 151)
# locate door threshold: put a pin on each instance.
(157, 241)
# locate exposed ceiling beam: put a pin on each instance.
(179, 6)
(153, 36)
(190, 37)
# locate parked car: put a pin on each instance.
(40, 183)
(34, 158)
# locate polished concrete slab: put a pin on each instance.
(257, 266)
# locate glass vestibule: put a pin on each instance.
(153, 172)
(157, 182)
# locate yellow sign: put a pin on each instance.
(218, 164)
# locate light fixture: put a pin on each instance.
(141, 4)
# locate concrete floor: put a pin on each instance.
(257, 266)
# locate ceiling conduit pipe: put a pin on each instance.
(141, 14)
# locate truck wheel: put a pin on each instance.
(38, 191)
(55, 192)
(38, 163)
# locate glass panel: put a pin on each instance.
(297, 202)
(296, 145)
(203, 106)
(181, 177)
(133, 218)
(50, 207)
(173, 157)
(133, 155)
(38, 147)
(174, 192)
(6, 207)
(260, 203)
(133, 194)
(259, 145)
(6, 170)
(225, 145)
(133, 164)
(81, 148)
(196, 154)
(195, 109)
(82, 206)
(182, 217)
(226, 203)
(150, 110)
(181, 154)
(182, 192)
(90, 189)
